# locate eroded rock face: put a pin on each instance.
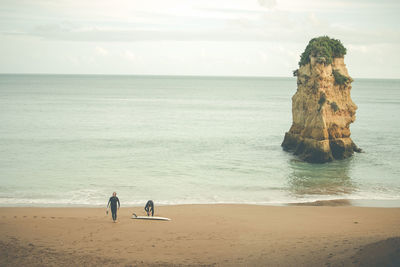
(322, 112)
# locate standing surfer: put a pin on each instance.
(112, 202)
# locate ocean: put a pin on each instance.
(71, 140)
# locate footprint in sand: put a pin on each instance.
(43, 217)
(34, 217)
(53, 217)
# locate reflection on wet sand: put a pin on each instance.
(320, 179)
(332, 203)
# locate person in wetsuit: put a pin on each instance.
(112, 202)
(149, 208)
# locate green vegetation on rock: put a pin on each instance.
(339, 78)
(324, 49)
(334, 106)
(322, 99)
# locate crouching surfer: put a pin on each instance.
(149, 208)
(112, 202)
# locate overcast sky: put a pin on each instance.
(194, 37)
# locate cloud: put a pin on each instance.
(263, 56)
(358, 48)
(273, 28)
(314, 20)
(267, 3)
(101, 51)
(210, 21)
(129, 55)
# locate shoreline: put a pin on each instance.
(208, 235)
(369, 203)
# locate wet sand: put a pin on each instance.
(209, 235)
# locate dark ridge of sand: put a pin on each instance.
(331, 203)
(13, 253)
(382, 253)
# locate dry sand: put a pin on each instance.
(211, 235)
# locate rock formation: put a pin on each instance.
(322, 108)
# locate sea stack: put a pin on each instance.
(322, 108)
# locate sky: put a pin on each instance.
(194, 37)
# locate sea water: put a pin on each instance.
(74, 139)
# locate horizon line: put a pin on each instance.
(170, 75)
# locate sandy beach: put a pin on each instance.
(209, 235)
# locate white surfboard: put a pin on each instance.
(134, 216)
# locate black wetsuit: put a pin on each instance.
(113, 204)
(149, 206)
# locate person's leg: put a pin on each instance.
(114, 213)
(152, 211)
